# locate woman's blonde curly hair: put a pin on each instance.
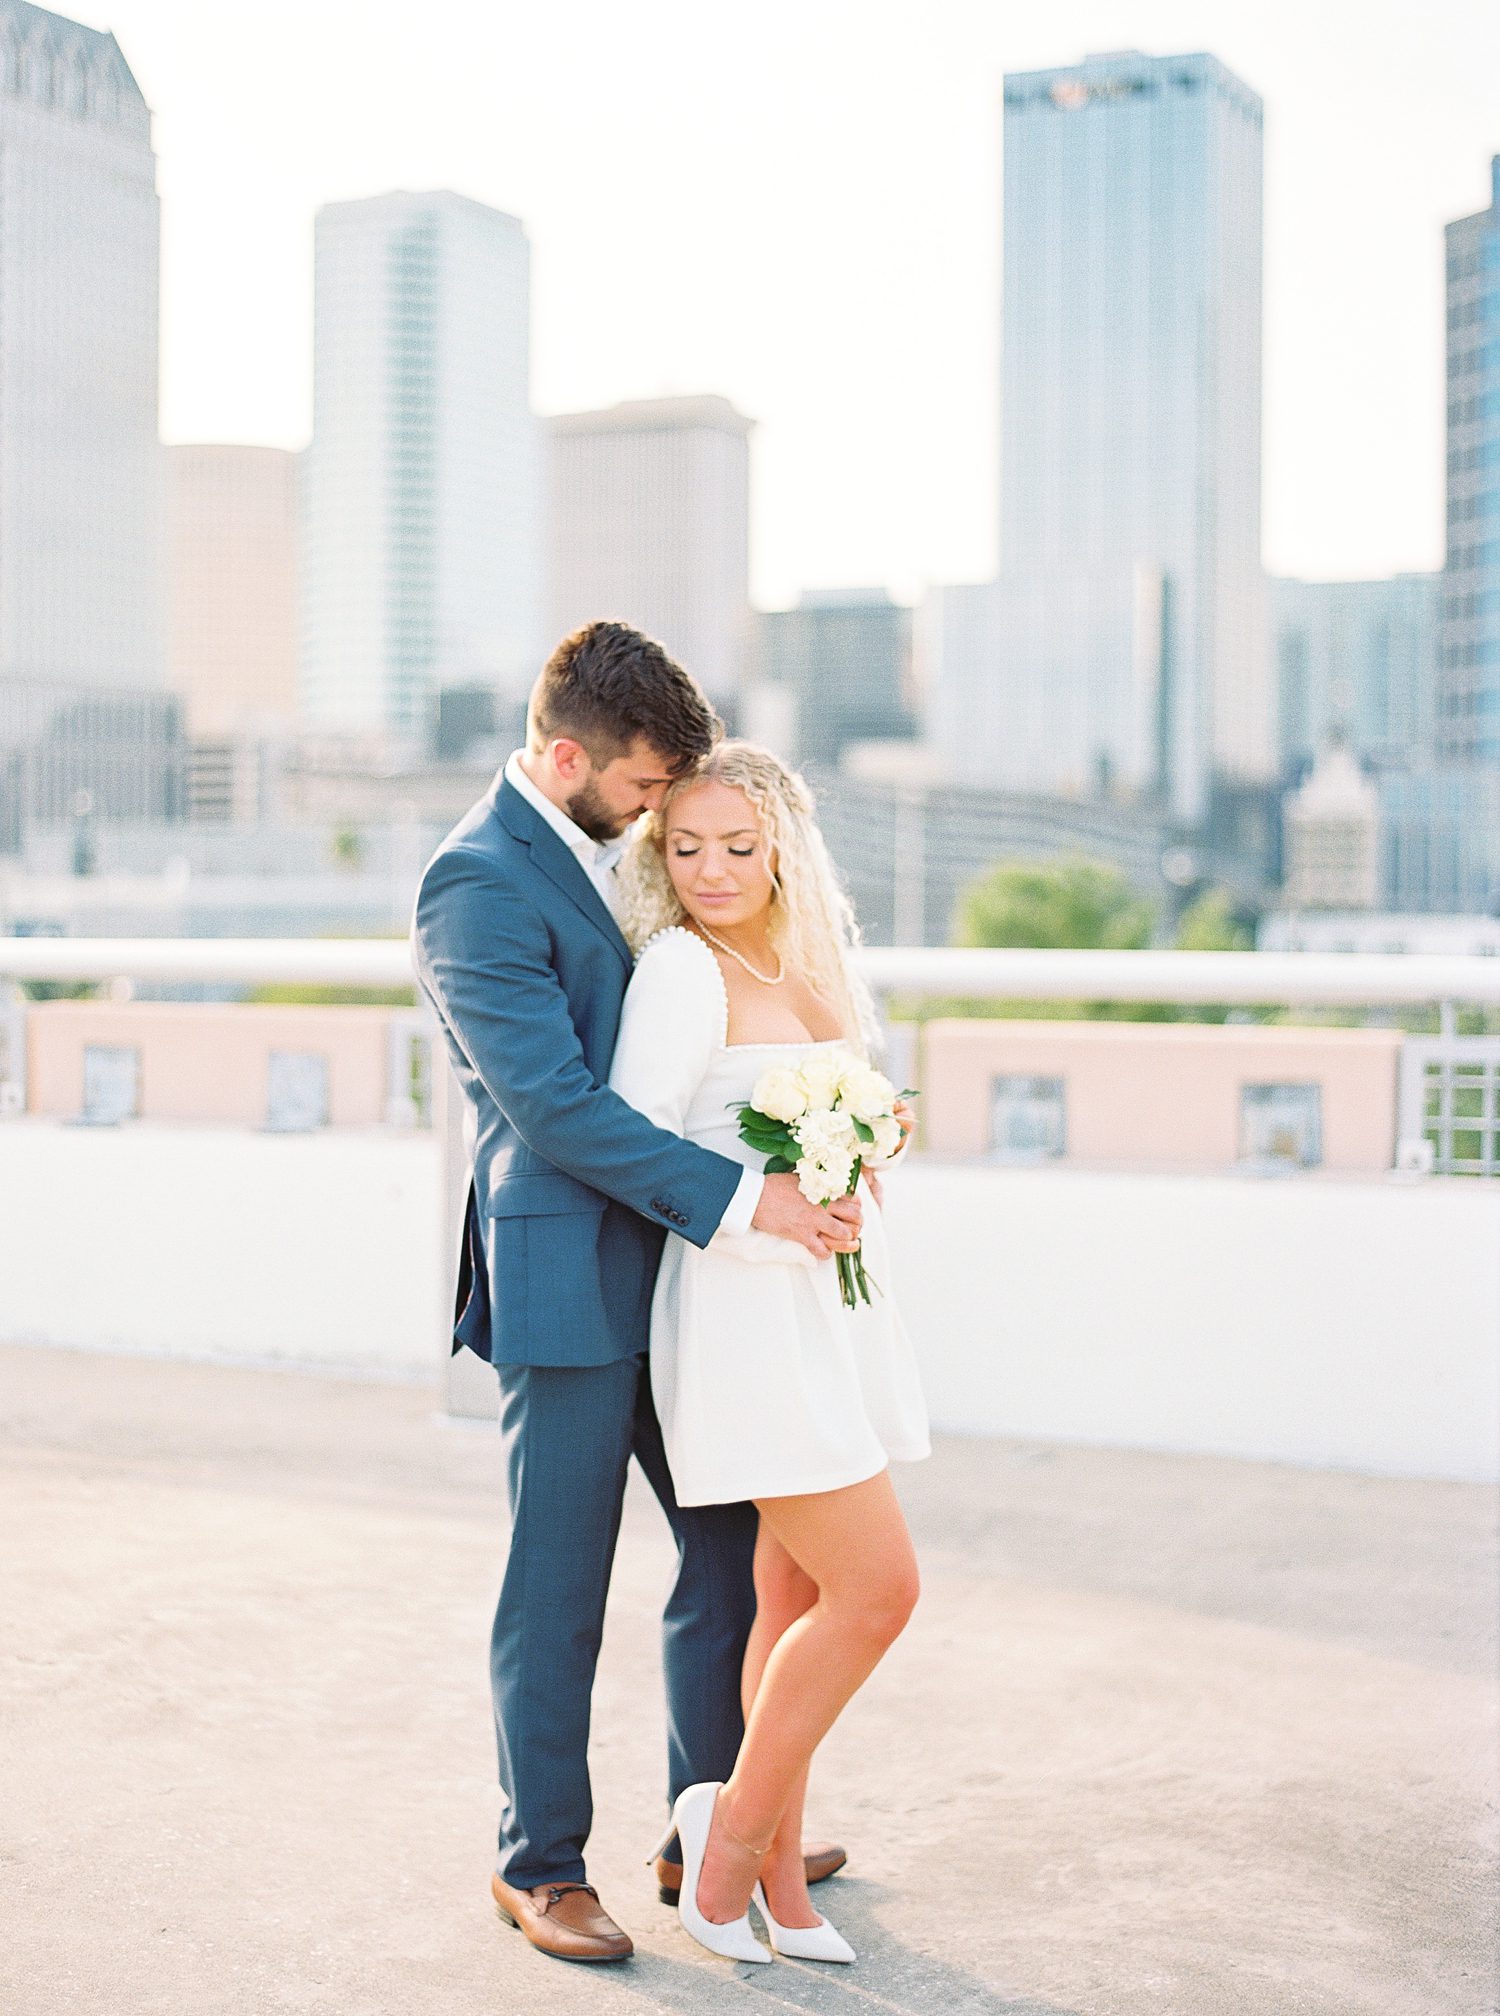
(812, 921)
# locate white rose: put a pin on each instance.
(821, 1072)
(887, 1132)
(778, 1095)
(867, 1093)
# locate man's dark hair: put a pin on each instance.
(606, 684)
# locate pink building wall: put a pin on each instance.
(1165, 1095)
(208, 1061)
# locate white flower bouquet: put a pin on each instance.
(826, 1119)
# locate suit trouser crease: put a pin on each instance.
(707, 1618)
(568, 1434)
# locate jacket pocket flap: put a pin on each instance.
(538, 1193)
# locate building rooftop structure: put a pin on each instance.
(669, 415)
(39, 32)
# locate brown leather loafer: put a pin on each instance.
(821, 1862)
(563, 1919)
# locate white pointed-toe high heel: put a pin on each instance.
(692, 1818)
(803, 1942)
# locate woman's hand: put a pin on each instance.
(906, 1116)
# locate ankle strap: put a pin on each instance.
(738, 1839)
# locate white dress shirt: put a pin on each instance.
(599, 859)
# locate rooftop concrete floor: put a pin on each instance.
(1167, 1734)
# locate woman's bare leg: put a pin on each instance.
(782, 1595)
(854, 1547)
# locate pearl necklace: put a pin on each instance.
(780, 962)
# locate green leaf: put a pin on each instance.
(779, 1166)
(865, 1133)
(774, 1140)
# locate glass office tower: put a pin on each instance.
(1128, 639)
(1469, 693)
(421, 564)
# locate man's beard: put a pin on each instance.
(588, 811)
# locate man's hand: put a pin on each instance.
(823, 1229)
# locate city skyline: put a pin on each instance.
(756, 274)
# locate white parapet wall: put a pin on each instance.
(205, 1242)
(1332, 1322)
(1348, 1324)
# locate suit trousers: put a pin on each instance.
(568, 1434)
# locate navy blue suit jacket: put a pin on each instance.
(573, 1190)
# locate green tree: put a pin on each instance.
(1078, 904)
(1068, 904)
(1210, 924)
(1071, 903)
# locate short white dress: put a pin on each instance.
(765, 1384)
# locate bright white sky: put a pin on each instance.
(797, 203)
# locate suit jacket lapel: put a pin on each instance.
(558, 863)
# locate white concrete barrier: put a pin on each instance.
(1343, 1323)
(206, 1242)
(1337, 1323)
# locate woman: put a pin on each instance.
(767, 1387)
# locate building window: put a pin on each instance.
(1282, 1125)
(111, 1084)
(1028, 1118)
(296, 1091)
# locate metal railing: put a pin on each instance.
(1448, 1102)
(1237, 979)
(1449, 1095)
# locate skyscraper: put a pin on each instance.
(79, 467)
(1356, 659)
(843, 658)
(650, 525)
(421, 562)
(1333, 837)
(1122, 649)
(232, 585)
(81, 706)
(1469, 697)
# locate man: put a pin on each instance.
(572, 1195)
